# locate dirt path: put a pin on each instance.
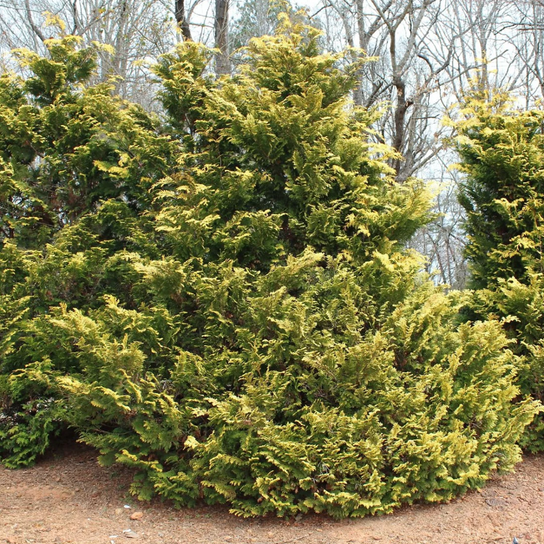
(68, 498)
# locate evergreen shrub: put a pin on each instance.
(502, 156)
(222, 300)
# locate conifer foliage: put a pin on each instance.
(228, 308)
(502, 154)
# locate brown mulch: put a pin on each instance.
(68, 498)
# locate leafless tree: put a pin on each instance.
(182, 20)
(221, 25)
(138, 30)
(396, 34)
(429, 52)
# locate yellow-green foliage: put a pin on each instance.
(234, 315)
(502, 155)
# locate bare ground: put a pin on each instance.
(68, 498)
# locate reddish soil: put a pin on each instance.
(68, 498)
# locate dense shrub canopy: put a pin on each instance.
(222, 300)
(502, 154)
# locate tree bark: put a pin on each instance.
(399, 129)
(222, 59)
(33, 25)
(182, 21)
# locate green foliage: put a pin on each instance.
(519, 307)
(233, 313)
(30, 414)
(502, 155)
(66, 148)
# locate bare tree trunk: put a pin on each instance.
(222, 59)
(399, 125)
(182, 21)
(33, 25)
(363, 43)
